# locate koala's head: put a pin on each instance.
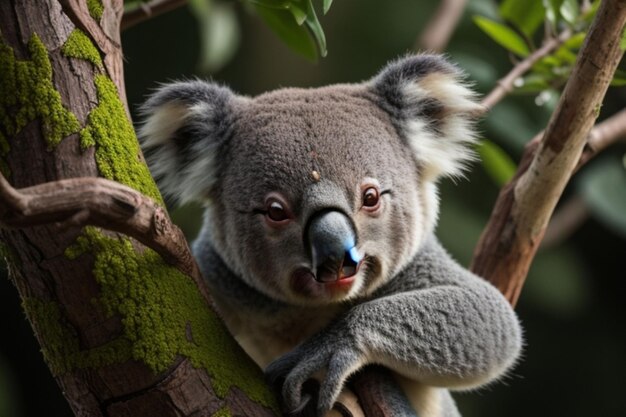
(315, 195)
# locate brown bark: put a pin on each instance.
(521, 213)
(99, 202)
(41, 270)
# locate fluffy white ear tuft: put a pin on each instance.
(433, 109)
(184, 126)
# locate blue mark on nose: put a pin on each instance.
(350, 247)
(355, 255)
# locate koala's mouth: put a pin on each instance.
(332, 271)
(326, 280)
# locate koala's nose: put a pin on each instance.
(332, 241)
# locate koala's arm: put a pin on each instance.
(435, 322)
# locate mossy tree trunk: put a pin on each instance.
(124, 333)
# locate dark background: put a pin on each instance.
(572, 306)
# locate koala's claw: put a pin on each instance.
(293, 373)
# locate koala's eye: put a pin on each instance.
(371, 198)
(276, 211)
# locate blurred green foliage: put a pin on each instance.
(571, 306)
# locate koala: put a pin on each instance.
(318, 237)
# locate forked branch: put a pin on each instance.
(99, 202)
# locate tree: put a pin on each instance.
(136, 349)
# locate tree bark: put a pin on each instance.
(103, 306)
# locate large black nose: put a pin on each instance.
(332, 240)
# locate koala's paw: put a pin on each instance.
(334, 363)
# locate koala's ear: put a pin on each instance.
(184, 125)
(433, 109)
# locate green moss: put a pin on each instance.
(117, 149)
(95, 8)
(28, 94)
(222, 412)
(78, 45)
(61, 348)
(164, 316)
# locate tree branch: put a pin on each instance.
(149, 10)
(521, 213)
(99, 202)
(441, 26)
(505, 85)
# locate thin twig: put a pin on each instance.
(505, 85)
(441, 26)
(149, 10)
(98, 202)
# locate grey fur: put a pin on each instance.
(411, 307)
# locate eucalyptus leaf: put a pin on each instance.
(326, 5)
(526, 15)
(298, 13)
(576, 41)
(297, 37)
(496, 162)
(219, 35)
(503, 35)
(314, 25)
(553, 12)
(603, 186)
(570, 11)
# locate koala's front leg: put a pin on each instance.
(328, 354)
(460, 333)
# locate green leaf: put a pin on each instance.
(326, 5)
(553, 14)
(565, 56)
(503, 35)
(569, 11)
(496, 162)
(622, 42)
(603, 186)
(298, 14)
(297, 37)
(219, 33)
(526, 15)
(315, 27)
(576, 41)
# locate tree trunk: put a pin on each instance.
(124, 333)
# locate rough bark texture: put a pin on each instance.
(54, 86)
(520, 216)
